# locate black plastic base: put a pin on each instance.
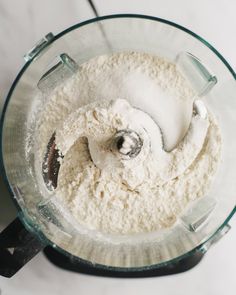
(65, 262)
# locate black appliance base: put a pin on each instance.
(66, 263)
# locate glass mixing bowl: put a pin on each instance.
(54, 59)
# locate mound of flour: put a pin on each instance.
(135, 196)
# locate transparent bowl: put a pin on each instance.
(56, 57)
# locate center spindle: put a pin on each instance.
(128, 143)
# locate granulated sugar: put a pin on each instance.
(146, 94)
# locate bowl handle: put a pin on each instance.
(17, 247)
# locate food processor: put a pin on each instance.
(41, 226)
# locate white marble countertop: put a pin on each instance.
(24, 22)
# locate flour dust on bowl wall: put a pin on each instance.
(118, 138)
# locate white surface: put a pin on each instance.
(24, 22)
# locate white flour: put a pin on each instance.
(106, 191)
